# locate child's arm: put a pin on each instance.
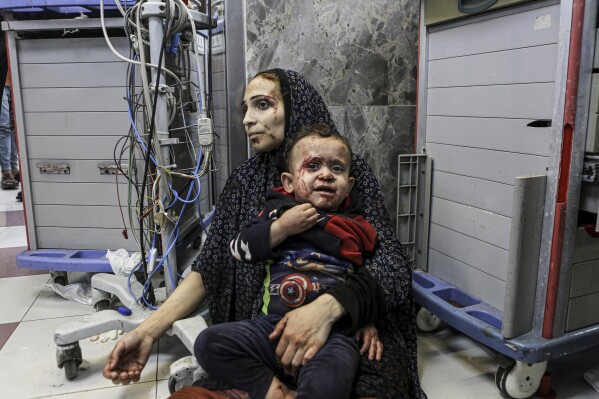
(294, 221)
(371, 343)
(254, 242)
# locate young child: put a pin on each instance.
(310, 236)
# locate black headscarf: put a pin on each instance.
(233, 288)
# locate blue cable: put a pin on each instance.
(175, 232)
(172, 241)
(191, 185)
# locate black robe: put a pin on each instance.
(233, 288)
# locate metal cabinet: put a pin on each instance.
(71, 111)
(503, 112)
(443, 10)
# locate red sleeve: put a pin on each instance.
(357, 236)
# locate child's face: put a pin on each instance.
(319, 172)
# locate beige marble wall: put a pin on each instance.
(361, 56)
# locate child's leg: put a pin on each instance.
(240, 354)
(330, 374)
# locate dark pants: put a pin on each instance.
(241, 354)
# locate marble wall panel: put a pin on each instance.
(360, 55)
(357, 52)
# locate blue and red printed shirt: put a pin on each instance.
(307, 264)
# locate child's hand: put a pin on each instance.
(298, 219)
(369, 336)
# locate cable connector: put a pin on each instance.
(205, 131)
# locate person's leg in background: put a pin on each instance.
(8, 147)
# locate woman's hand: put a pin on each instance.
(128, 358)
(303, 331)
(369, 336)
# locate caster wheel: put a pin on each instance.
(426, 321)
(59, 278)
(519, 380)
(500, 377)
(102, 305)
(70, 369)
(172, 384)
(69, 358)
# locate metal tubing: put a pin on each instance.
(564, 176)
(161, 133)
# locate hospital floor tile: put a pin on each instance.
(162, 391)
(452, 365)
(13, 236)
(31, 348)
(50, 305)
(8, 264)
(8, 201)
(144, 390)
(20, 293)
(5, 332)
(12, 218)
(467, 371)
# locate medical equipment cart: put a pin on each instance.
(69, 93)
(498, 205)
(72, 109)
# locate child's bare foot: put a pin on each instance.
(278, 390)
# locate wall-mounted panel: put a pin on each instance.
(521, 65)
(497, 166)
(77, 123)
(528, 101)
(474, 222)
(487, 258)
(525, 29)
(509, 135)
(479, 193)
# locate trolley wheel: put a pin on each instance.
(172, 384)
(519, 380)
(102, 305)
(426, 321)
(59, 277)
(70, 368)
(69, 358)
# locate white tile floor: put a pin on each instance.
(451, 365)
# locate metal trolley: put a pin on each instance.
(70, 116)
(498, 206)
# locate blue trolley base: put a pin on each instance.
(482, 322)
(65, 260)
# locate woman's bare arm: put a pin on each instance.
(131, 353)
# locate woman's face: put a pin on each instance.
(264, 114)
